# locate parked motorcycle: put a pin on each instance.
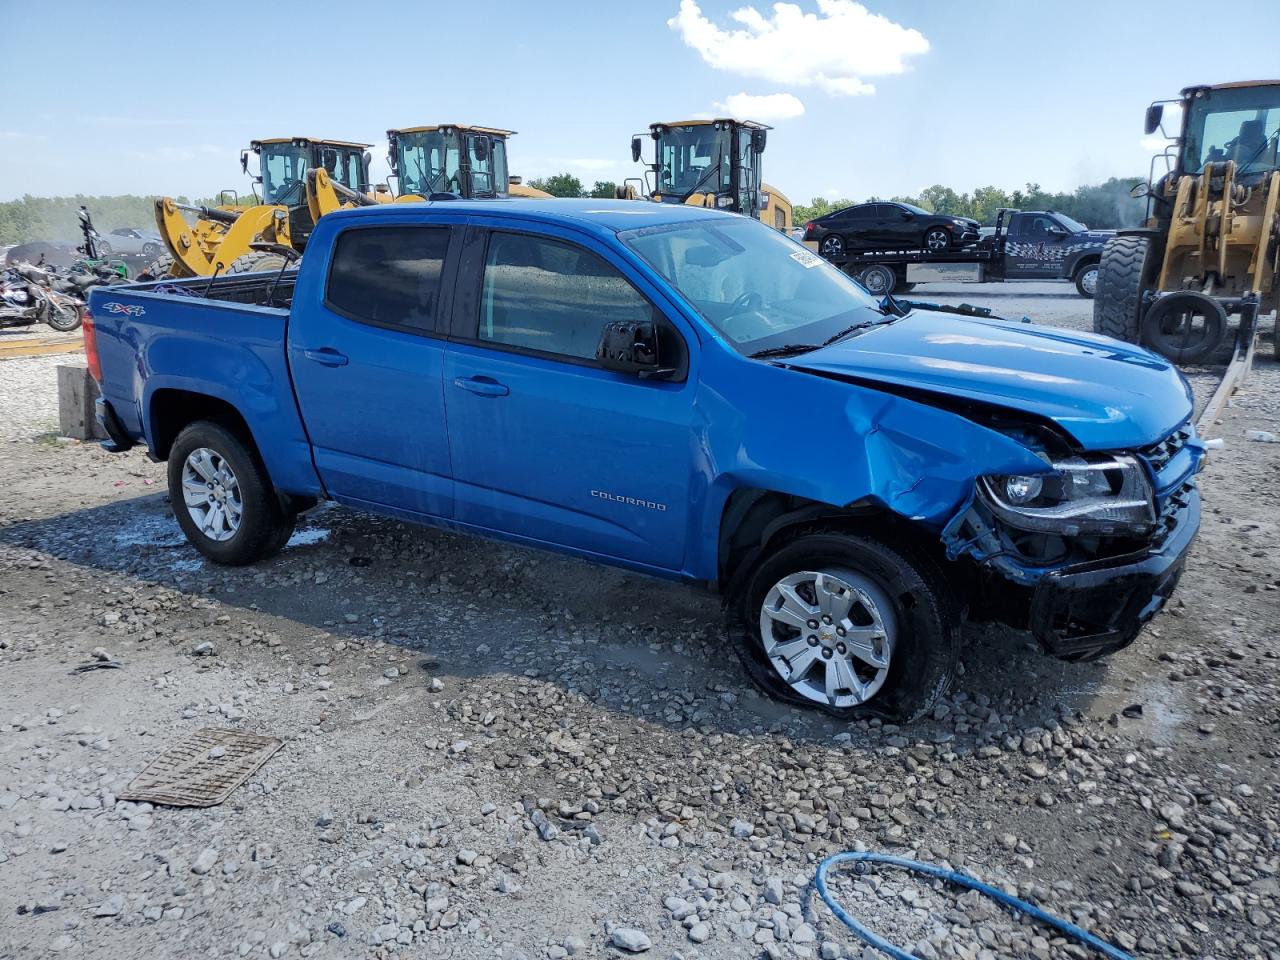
(27, 297)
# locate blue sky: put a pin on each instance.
(964, 93)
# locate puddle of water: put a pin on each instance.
(142, 530)
(304, 538)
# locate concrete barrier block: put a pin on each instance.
(76, 393)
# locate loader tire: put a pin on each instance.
(256, 262)
(1125, 274)
(161, 268)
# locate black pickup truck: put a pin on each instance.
(1025, 245)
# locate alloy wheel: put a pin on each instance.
(211, 494)
(829, 634)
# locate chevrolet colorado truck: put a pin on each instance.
(682, 392)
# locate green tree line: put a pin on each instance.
(1103, 206)
(54, 218)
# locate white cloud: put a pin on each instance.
(770, 106)
(833, 49)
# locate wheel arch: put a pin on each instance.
(753, 518)
(170, 410)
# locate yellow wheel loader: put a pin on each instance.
(453, 158)
(711, 163)
(1209, 246)
(220, 239)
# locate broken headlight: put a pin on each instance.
(1104, 495)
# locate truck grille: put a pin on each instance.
(1171, 511)
(1159, 454)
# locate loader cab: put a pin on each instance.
(283, 164)
(282, 174)
(450, 158)
(712, 163)
(1234, 121)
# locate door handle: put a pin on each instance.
(326, 355)
(482, 386)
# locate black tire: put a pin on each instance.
(923, 658)
(879, 279)
(151, 251)
(256, 262)
(65, 316)
(1125, 273)
(1084, 286)
(265, 525)
(161, 268)
(832, 245)
(936, 240)
(104, 249)
(1170, 330)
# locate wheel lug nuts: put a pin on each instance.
(826, 619)
(840, 649)
(839, 631)
(813, 624)
(826, 654)
(813, 641)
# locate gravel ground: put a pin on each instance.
(493, 752)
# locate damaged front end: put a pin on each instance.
(1085, 552)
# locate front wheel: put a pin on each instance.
(937, 240)
(64, 314)
(150, 251)
(1125, 275)
(1086, 280)
(847, 624)
(223, 498)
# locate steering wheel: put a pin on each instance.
(747, 301)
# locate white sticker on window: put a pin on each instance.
(806, 259)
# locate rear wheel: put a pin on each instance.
(937, 240)
(879, 279)
(1086, 280)
(832, 245)
(256, 262)
(847, 624)
(223, 498)
(1186, 327)
(150, 250)
(1125, 274)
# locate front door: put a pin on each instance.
(367, 364)
(1036, 247)
(545, 444)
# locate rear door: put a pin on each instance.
(367, 364)
(545, 444)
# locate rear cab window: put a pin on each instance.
(389, 276)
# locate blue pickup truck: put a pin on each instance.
(682, 392)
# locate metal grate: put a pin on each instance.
(201, 770)
(1159, 454)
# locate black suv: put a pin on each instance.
(889, 226)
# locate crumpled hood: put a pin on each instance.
(1108, 395)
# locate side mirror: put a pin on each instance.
(758, 139)
(1140, 189)
(635, 149)
(1154, 114)
(244, 161)
(1057, 231)
(628, 346)
(481, 148)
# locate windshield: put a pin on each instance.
(757, 288)
(1075, 226)
(914, 209)
(693, 159)
(488, 159)
(427, 163)
(1236, 124)
(284, 170)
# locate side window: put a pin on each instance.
(1039, 227)
(388, 276)
(540, 294)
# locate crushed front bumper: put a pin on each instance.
(1087, 610)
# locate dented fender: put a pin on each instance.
(854, 445)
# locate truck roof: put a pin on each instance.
(609, 216)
